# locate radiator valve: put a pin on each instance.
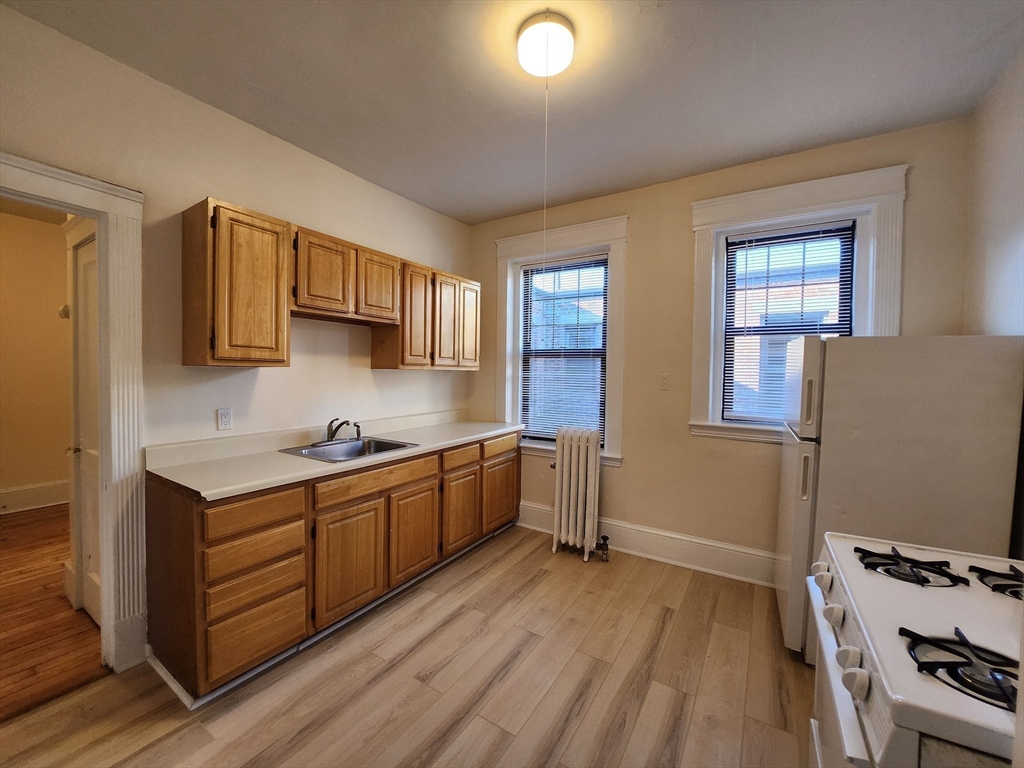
(602, 547)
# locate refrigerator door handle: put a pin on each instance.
(805, 474)
(809, 409)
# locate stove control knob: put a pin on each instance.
(848, 656)
(857, 682)
(833, 615)
(819, 567)
(823, 580)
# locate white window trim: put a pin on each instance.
(573, 242)
(873, 198)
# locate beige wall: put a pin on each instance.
(995, 287)
(67, 105)
(35, 354)
(712, 488)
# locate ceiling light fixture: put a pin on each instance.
(545, 44)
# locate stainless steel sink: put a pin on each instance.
(346, 450)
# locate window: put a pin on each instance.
(561, 331)
(563, 347)
(774, 265)
(779, 287)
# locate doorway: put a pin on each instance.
(117, 212)
(48, 408)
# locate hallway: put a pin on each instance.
(46, 647)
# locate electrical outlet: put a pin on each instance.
(663, 381)
(224, 419)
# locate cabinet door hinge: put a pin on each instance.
(213, 341)
(312, 614)
(213, 221)
(312, 532)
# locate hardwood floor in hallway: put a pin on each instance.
(511, 656)
(46, 647)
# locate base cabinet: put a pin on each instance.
(349, 560)
(234, 582)
(461, 521)
(414, 531)
(500, 491)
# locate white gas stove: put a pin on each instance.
(918, 654)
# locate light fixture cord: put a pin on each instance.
(544, 214)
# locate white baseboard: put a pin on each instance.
(127, 642)
(92, 597)
(730, 560)
(72, 590)
(33, 496)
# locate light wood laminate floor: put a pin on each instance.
(511, 656)
(47, 648)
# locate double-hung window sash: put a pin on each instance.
(779, 287)
(564, 346)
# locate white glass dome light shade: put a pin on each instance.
(545, 44)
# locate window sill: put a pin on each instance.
(749, 432)
(542, 448)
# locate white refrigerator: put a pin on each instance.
(907, 438)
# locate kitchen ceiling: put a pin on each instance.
(428, 100)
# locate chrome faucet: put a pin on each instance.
(333, 427)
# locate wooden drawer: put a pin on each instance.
(332, 492)
(460, 457)
(500, 445)
(255, 586)
(253, 513)
(228, 558)
(243, 641)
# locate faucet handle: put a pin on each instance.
(359, 430)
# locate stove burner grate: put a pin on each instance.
(973, 670)
(926, 573)
(1011, 583)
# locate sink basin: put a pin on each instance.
(346, 450)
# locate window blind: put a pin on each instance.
(780, 287)
(564, 345)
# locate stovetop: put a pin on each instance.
(883, 604)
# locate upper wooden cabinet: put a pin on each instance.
(469, 325)
(325, 276)
(377, 285)
(446, 323)
(337, 280)
(234, 269)
(440, 324)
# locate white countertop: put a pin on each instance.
(219, 478)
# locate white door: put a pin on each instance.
(85, 457)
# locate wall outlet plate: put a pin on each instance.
(225, 420)
(663, 381)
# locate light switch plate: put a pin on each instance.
(225, 420)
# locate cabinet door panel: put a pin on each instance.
(349, 560)
(250, 297)
(377, 281)
(500, 492)
(469, 324)
(414, 531)
(460, 504)
(417, 315)
(324, 274)
(446, 320)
